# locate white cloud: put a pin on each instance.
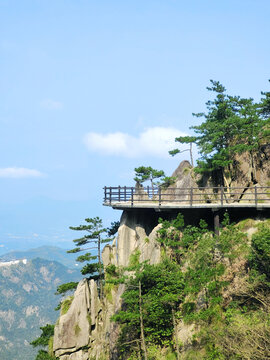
(154, 141)
(2, 245)
(16, 172)
(51, 104)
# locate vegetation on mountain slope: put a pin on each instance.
(45, 340)
(209, 296)
(217, 286)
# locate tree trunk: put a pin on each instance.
(191, 155)
(139, 351)
(100, 270)
(226, 182)
(152, 187)
(253, 167)
(175, 334)
(141, 322)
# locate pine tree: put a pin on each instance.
(94, 237)
(231, 126)
(185, 140)
(151, 298)
(145, 173)
(44, 341)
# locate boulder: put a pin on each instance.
(72, 331)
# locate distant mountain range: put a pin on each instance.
(52, 253)
(28, 300)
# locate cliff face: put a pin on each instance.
(84, 330)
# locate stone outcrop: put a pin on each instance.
(132, 236)
(85, 331)
(72, 330)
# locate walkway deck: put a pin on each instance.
(186, 198)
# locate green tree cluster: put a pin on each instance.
(191, 284)
(156, 177)
(150, 301)
(45, 341)
(232, 126)
(93, 239)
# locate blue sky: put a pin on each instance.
(91, 89)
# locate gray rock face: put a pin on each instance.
(132, 236)
(137, 233)
(72, 331)
(87, 322)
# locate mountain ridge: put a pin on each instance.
(27, 302)
(47, 252)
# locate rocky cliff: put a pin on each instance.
(84, 330)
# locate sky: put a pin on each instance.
(89, 90)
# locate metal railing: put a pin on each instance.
(189, 196)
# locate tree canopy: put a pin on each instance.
(232, 125)
(144, 173)
(92, 240)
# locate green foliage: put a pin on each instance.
(184, 140)
(147, 173)
(265, 105)
(260, 256)
(77, 329)
(134, 259)
(91, 268)
(195, 282)
(64, 288)
(144, 173)
(65, 304)
(112, 230)
(155, 352)
(167, 181)
(94, 238)
(43, 339)
(161, 287)
(175, 235)
(112, 279)
(232, 125)
(44, 355)
(111, 270)
(94, 230)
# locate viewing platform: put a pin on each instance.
(215, 198)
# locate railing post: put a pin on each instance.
(191, 196)
(148, 191)
(105, 194)
(221, 195)
(110, 195)
(125, 193)
(132, 196)
(119, 193)
(159, 195)
(256, 196)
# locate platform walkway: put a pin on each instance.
(186, 198)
